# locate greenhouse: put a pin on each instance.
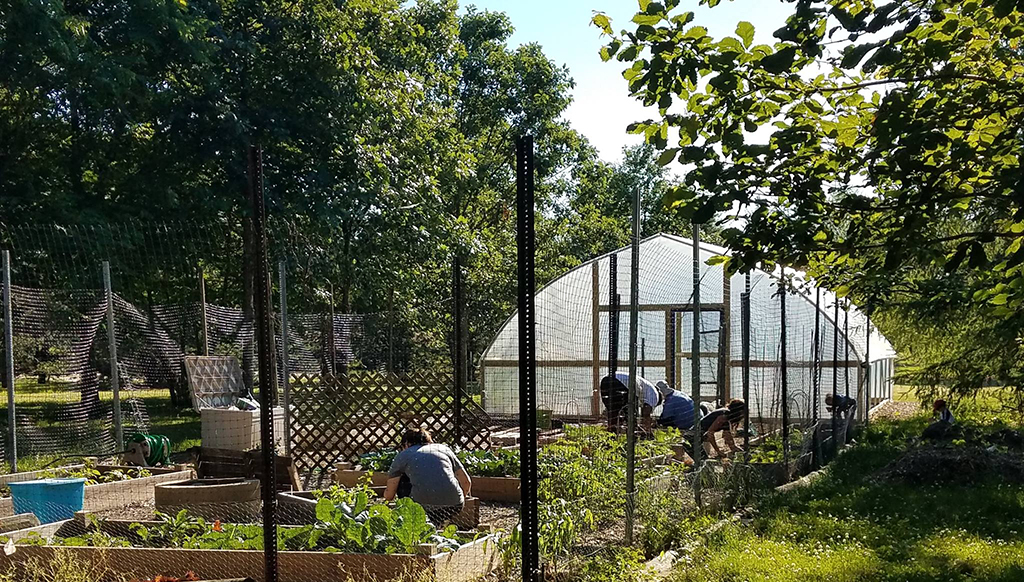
(574, 341)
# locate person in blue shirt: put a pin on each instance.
(677, 408)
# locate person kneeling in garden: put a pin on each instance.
(944, 423)
(438, 480)
(723, 420)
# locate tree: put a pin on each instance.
(890, 168)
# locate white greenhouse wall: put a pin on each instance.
(568, 372)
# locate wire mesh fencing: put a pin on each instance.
(108, 367)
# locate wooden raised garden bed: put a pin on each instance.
(108, 495)
(471, 561)
(503, 489)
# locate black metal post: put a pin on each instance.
(613, 315)
(785, 369)
(527, 359)
(816, 367)
(867, 372)
(698, 433)
(461, 372)
(835, 378)
(634, 317)
(846, 346)
(265, 346)
(745, 329)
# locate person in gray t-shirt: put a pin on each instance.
(439, 481)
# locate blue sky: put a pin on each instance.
(601, 107)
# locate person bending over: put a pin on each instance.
(723, 420)
(843, 408)
(677, 408)
(437, 478)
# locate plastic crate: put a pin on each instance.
(237, 430)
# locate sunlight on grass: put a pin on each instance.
(740, 555)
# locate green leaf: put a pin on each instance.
(745, 31)
(780, 61)
(648, 19)
(602, 21)
(853, 55)
(630, 55)
(667, 156)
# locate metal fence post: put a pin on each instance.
(202, 313)
(634, 310)
(816, 369)
(613, 314)
(867, 374)
(846, 346)
(460, 361)
(12, 433)
(698, 434)
(265, 343)
(286, 388)
(114, 372)
(525, 246)
(785, 370)
(745, 331)
(835, 379)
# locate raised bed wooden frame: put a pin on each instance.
(470, 562)
(502, 489)
(109, 495)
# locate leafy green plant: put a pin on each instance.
(492, 463)
(378, 462)
(480, 463)
(93, 476)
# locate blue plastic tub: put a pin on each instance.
(49, 499)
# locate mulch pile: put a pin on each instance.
(953, 464)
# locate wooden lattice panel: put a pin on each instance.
(336, 419)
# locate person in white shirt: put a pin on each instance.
(648, 395)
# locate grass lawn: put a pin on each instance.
(42, 402)
(852, 526)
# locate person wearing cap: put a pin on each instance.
(647, 394)
(677, 408)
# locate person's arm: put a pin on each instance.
(464, 481)
(395, 476)
(392, 489)
(730, 441)
(460, 473)
(716, 425)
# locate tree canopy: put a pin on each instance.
(874, 144)
(387, 128)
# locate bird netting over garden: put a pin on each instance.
(573, 315)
